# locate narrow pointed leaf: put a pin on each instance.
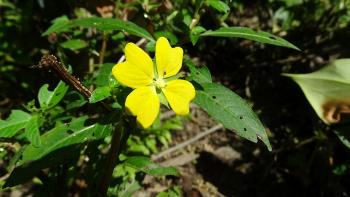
(250, 34)
(101, 24)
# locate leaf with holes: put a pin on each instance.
(250, 34)
(14, 123)
(48, 99)
(147, 166)
(101, 24)
(199, 74)
(232, 111)
(32, 131)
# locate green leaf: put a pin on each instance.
(60, 24)
(199, 75)
(232, 111)
(32, 131)
(327, 90)
(172, 192)
(344, 138)
(101, 24)
(126, 189)
(48, 99)
(74, 44)
(65, 135)
(27, 171)
(102, 77)
(147, 166)
(247, 33)
(218, 5)
(99, 94)
(15, 122)
(170, 36)
(195, 33)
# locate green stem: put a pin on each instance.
(103, 48)
(119, 138)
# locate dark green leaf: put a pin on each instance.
(24, 173)
(15, 122)
(247, 33)
(74, 44)
(218, 5)
(48, 99)
(101, 24)
(100, 93)
(32, 131)
(232, 111)
(147, 166)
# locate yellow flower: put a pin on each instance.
(148, 81)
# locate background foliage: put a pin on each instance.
(307, 156)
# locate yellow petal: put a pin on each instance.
(144, 104)
(130, 75)
(137, 70)
(179, 93)
(139, 58)
(169, 60)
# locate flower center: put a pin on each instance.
(160, 83)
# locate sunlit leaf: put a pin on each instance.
(48, 99)
(147, 166)
(99, 94)
(14, 123)
(172, 192)
(32, 131)
(327, 90)
(218, 5)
